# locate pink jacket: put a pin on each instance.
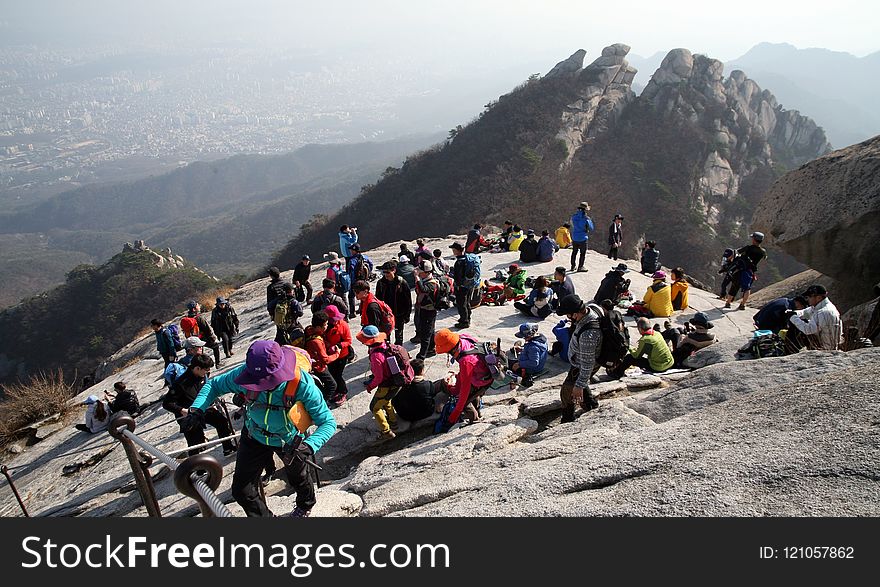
(472, 373)
(379, 366)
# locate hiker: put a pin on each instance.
(613, 356)
(515, 284)
(504, 238)
(316, 346)
(678, 289)
(563, 236)
(475, 242)
(613, 285)
(615, 236)
(181, 396)
(164, 342)
(394, 291)
(273, 379)
(97, 416)
(373, 311)
(122, 399)
(273, 290)
(528, 249)
(472, 382)
(301, 274)
(440, 266)
(694, 340)
(817, 327)
(466, 275)
(652, 353)
(201, 329)
(193, 346)
(547, 248)
(657, 301)
(562, 285)
(532, 355)
(417, 400)
(650, 258)
(288, 311)
(406, 270)
(747, 260)
(347, 236)
(515, 238)
(583, 346)
(381, 357)
(774, 316)
(360, 268)
(539, 303)
(581, 226)
(337, 339)
(727, 268)
(224, 321)
(328, 297)
(405, 252)
(427, 298)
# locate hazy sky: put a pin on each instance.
(485, 31)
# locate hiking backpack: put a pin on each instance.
(176, 338)
(387, 316)
(472, 269)
(172, 372)
(190, 326)
(489, 353)
(443, 290)
(361, 269)
(343, 281)
(397, 360)
(287, 312)
(613, 345)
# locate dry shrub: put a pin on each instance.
(25, 403)
(209, 299)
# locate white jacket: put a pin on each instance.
(92, 422)
(823, 321)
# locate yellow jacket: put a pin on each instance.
(514, 240)
(563, 237)
(679, 288)
(658, 299)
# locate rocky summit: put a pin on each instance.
(795, 435)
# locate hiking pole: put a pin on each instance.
(5, 471)
(228, 419)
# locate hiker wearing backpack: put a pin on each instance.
(224, 321)
(347, 236)
(281, 401)
(193, 346)
(202, 329)
(652, 353)
(391, 370)
(473, 380)
(528, 249)
(274, 290)
(747, 260)
(122, 399)
(394, 291)
(539, 303)
(316, 346)
(406, 270)
(532, 355)
(341, 278)
(658, 299)
(615, 236)
(563, 235)
(475, 242)
(429, 299)
(466, 275)
(727, 269)
(650, 258)
(547, 247)
(165, 343)
(180, 397)
(337, 339)
(288, 311)
(614, 284)
(581, 226)
(679, 289)
(583, 347)
(373, 311)
(360, 268)
(301, 274)
(615, 336)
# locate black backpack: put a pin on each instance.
(361, 269)
(613, 346)
(491, 355)
(443, 291)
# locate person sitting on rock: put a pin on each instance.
(539, 303)
(515, 284)
(531, 356)
(417, 400)
(503, 239)
(583, 348)
(650, 258)
(475, 242)
(515, 239)
(658, 299)
(123, 399)
(613, 285)
(547, 247)
(651, 354)
(562, 285)
(774, 316)
(528, 249)
(472, 382)
(694, 340)
(97, 416)
(563, 236)
(818, 327)
(678, 290)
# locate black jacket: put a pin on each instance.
(650, 260)
(224, 320)
(183, 392)
(416, 401)
(613, 284)
(615, 235)
(302, 272)
(126, 401)
(398, 295)
(274, 291)
(528, 250)
(323, 299)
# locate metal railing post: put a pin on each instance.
(6, 474)
(144, 483)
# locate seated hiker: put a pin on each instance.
(422, 252)
(652, 353)
(613, 285)
(678, 290)
(503, 239)
(389, 375)
(658, 299)
(180, 398)
(774, 316)
(531, 356)
(515, 238)
(563, 236)
(123, 399)
(539, 301)
(694, 340)
(473, 380)
(417, 399)
(514, 287)
(475, 242)
(97, 416)
(562, 332)
(650, 258)
(315, 345)
(615, 346)
(547, 247)
(528, 249)
(817, 327)
(562, 285)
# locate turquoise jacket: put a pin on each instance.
(267, 413)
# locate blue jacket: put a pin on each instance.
(352, 265)
(267, 413)
(562, 332)
(581, 224)
(533, 356)
(546, 249)
(772, 316)
(533, 296)
(346, 239)
(164, 342)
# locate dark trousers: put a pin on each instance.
(724, 283)
(575, 248)
(308, 287)
(252, 458)
(425, 321)
(327, 383)
(226, 341)
(215, 418)
(399, 323)
(527, 310)
(681, 353)
(629, 361)
(336, 369)
(169, 359)
(214, 346)
(463, 304)
(352, 311)
(612, 253)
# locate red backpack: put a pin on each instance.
(387, 316)
(190, 326)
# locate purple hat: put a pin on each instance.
(333, 313)
(267, 366)
(659, 275)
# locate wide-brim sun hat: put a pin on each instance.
(701, 319)
(445, 340)
(268, 365)
(371, 335)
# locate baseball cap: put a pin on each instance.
(457, 245)
(527, 330)
(193, 341)
(758, 236)
(815, 290)
(92, 399)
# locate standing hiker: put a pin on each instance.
(274, 290)
(466, 275)
(347, 236)
(386, 364)
(427, 299)
(583, 346)
(337, 339)
(747, 261)
(165, 342)
(316, 346)
(224, 321)
(581, 226)
(615, 236)
(301, 274)
(194, 324)
(394, 291)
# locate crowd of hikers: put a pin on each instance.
(292, 384)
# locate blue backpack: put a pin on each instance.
(172, 372)
(343, 281)
(176, 336)
(472, 269)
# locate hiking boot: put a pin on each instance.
(589, 403)
(741, 307)
(567, 415)
(229, 451)
(415, 340)
(726, 304)
(299, 512)
(393, 424)
(338, 399)
(386, 435)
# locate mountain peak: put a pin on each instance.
(569, 66)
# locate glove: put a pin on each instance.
(296, 450)
(238, 400)
(194, 420)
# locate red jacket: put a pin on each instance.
(339, 335)
(317, 350)
(472, 373)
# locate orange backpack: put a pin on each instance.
(190, 326)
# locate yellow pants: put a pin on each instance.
(382, 409)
